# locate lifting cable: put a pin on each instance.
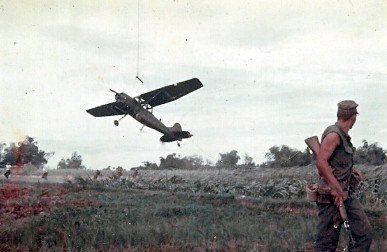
(138, 42)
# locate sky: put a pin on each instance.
(273, 73)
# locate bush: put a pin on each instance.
(75, 162)
(370, 154)
(284, 156)
(228, 159)
(25, 152)
(172, 161)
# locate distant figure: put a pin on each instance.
(7, 170)
(97, 174)
(45, 173)
(135, 174)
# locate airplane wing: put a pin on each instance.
(110, 109)
(170, 93)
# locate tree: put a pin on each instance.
(172, 161)
(228, 159)
(62, 164)
(248, 160)
(75, 162)
(194, 162)
(2, 154)
(370, 154)
(26, 152)
(284, 156)
(148, 165)
(10, 154)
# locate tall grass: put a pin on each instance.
(177, 210)
(132, 220)
(278, 183)
(125, 221)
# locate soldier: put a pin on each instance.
(97, 174)
(335, 165)
(45, 173)
(7, 170)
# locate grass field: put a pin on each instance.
(175, 210)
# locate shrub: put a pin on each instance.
(370, 154)
(25, 152)
(75, 162)
(284, 156)
(172, 161)
(228, 159)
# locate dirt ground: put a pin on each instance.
(19, 201)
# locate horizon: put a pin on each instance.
(205, 162)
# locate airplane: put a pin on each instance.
(141, 108)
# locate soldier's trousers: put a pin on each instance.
(328, 237)
(7, 173)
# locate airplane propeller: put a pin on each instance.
(113, 91)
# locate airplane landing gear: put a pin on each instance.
(117, 122)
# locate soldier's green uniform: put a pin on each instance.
(341, 162)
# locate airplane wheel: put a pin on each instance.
(116, 122)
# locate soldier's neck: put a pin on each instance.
(345, 125)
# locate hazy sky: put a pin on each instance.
(273, 73)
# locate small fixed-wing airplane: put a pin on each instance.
(141, 108)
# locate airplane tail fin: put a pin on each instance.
(175, 128)
(178, 134)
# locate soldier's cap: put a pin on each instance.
(346, 109)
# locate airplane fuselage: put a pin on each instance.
(142, 115)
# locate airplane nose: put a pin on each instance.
(120, 98)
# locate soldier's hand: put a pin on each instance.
(357, 173)
(338, 196)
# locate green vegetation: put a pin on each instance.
(180, 205)
(284, 156)
(370, 154)
(228, 159)
(24, 152)
(277, 157)
(178, 210)
(128, 220)
(27, 153)
(74, 162)
(281, 183)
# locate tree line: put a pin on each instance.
(27, 152)
(276, 157)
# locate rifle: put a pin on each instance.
(343, 214)
(314, 145)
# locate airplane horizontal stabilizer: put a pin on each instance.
(179, 135)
